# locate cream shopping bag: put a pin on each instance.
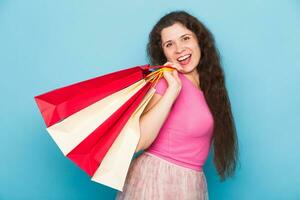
(114, 167)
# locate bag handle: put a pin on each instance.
(155, 76)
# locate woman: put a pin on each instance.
(189, 111)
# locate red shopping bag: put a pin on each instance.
(60, 103)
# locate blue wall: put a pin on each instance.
(48, 44)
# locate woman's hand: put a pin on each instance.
(174, 65)
(174, 82)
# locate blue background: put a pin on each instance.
(49, 44)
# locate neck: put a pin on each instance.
(193, 76)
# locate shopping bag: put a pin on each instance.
(60, 103)
(113, 169)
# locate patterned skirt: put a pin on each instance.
(152, 178)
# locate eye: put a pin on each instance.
(186, 38)
(169, 44)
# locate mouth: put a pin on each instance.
(184, 60)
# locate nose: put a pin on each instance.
(179, 48)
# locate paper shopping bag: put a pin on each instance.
(113, 169)
(60, 103)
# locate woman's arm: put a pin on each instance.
(157, 111)
(154, 117)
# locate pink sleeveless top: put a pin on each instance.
(185, 136)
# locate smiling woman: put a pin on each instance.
(181, 45)
(189, 113)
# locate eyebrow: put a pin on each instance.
(179, 37)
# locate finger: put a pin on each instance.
(168, 76)
(167, 63)
(166, 73)
(177, 66)
(175, 73)
(170, 64)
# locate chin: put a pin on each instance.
(189, 69)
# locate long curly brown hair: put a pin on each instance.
(225, 144)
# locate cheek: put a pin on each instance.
(197, 50)
(168, 54)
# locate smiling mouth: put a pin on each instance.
(184, 60)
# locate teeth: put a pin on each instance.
(184, 57)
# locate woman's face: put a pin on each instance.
(180, 45)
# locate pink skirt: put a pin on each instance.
(152, 178)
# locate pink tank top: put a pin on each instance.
(185, 136)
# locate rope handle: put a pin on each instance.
(155, 76)
(148, 67)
